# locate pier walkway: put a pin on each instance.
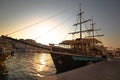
(105, 70)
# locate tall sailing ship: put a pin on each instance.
(81, 51)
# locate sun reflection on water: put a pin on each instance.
(43, 64)
(30, 66)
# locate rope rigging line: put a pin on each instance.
(55, 27)
(77, 20)
(84, 24)
(89, 33)
(62, 12)
(67, 33)
(86, 27)
(98, 37)
(76, 27)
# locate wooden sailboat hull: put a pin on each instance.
(65, 62)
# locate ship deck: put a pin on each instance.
(105, 70)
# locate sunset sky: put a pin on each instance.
(49, 21)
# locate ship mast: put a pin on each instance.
(80, 23)
(93, 30)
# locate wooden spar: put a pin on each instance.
(96, 35)
(82, 22)
(89, 30)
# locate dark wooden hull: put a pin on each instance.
(66, 62)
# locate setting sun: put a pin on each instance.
(50, 33)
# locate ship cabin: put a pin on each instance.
(88, 45)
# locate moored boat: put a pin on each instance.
(80, 51)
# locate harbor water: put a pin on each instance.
(29, 66)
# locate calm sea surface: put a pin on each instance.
(29, 66)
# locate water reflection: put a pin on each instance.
(45, 64)
(29, 66)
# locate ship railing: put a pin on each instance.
(60, 50)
